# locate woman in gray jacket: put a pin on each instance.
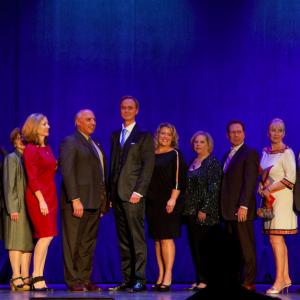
(17, 231)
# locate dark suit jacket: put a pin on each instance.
(81, 174)
(239, 183)
(131, 167)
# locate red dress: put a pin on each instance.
(40, 166)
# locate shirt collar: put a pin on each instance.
(236, 148)
(84, 135)
(129, 128)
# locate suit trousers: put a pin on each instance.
(79, 237)
(131, 234)
(242, 241)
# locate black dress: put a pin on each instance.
(169, 173)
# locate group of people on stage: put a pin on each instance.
(145, 176)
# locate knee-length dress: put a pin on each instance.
(40, 166)
(280, 166)
(17, 234)
(169, 173)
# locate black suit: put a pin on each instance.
(131, 168)
(84, 178)
(239, 189)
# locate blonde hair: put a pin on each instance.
(277, 122)
(30, 128)
(175, 137)
(208, 138)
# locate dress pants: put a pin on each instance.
(131, 234)
(242, 240)
(79, 237)
(199, 244)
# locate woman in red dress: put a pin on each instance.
(40, 197)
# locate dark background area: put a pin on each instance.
(193, 63)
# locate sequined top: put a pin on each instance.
(203, 189)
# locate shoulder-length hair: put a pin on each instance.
(175, 137)
(208, 137)
(30, 128)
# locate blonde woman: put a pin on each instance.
(164, 202)
(278, 176)
(41, 199)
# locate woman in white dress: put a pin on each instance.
(278, 178)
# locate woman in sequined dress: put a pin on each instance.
(201, 208)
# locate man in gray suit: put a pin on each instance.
(131, 167)
(83, 200)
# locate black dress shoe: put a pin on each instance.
(137, 287)
(78, 287)
(120, 288)
(92, 287)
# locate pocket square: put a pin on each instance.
(133, 143)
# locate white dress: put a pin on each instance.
(280, 166)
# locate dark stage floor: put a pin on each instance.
(178, 293)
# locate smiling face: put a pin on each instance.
(200, 145)
(86, 122)
(43, 128)
(165, 137)
(129, 111)
(276, 132)
(236, 134)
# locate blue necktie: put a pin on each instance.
(123, 135)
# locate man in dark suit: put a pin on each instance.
(131, 167)
(238, 201)
(83, 200)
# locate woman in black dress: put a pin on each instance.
(164, 202)
(201, 207)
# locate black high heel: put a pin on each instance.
(38, 279)
(27, 281)
(164, 288)
(18, 287)
(156, 286)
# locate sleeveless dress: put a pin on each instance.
(40, 166)
(280, 166)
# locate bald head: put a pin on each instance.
(85, 121)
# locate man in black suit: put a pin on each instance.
(131, 167)
(83, 200)
(238, 201)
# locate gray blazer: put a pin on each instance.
(17, 235)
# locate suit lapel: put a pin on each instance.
(128, 142)
(84, 141)
(235, 157)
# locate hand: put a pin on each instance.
(242, 214)
(14, 216)
(134, 199)
(266, 193)
(43, 208)
(77, 208)
(170, 205)
(110, 204)
(201, 216)
(260, 189)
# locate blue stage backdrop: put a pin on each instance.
(194, 63)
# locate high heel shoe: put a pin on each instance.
(164, 287)
(156, 286)
(18, 287)
(283, 289)
(27, 281)
(38, 279)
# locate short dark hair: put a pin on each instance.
(14, 135)
(135, 100)
(234, 122)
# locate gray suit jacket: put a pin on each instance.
(131, 167)
(14, 182)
